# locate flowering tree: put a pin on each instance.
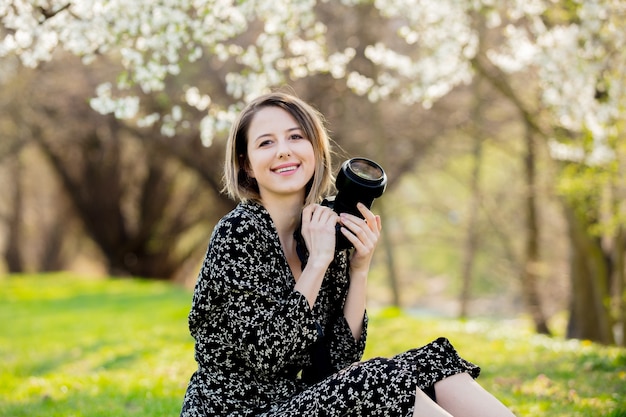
(575, 57)
(153, 38)
(573, 53)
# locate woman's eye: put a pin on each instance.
(265, 143)
(296, 136)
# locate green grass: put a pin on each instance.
(88, 347)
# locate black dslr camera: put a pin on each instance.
(359, 180)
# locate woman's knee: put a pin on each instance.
(426, 407)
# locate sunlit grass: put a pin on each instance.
(73, 347)
(86, 347)
(534, 375)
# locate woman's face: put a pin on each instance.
(280, 157)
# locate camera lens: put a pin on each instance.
(366, 169)
(359, 180)
(361, 177)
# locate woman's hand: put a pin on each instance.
(363, 234)
(319, 230)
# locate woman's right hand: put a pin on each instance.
(319, 233)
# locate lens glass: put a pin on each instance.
(366, 170)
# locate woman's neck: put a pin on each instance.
(285, 215)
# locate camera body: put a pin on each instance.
(360, 180)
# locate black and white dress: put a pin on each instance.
(261, 350)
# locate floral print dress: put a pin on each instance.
(261, 351)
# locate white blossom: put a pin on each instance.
(432, 53)
(122, 107)
(148, 120)
(194, 98)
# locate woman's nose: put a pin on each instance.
(283, 149)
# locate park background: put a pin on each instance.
(500, 126)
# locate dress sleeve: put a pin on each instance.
(240, 301)
(344, 349)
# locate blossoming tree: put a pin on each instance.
(574, 53)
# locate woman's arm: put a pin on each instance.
(363, 234)
(354, 307)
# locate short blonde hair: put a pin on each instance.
(240, 186)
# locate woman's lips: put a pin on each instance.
(285, 169)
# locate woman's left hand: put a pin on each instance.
(363, 234)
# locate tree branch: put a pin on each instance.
(48, 13)
(498, 79)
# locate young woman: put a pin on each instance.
(278, 314)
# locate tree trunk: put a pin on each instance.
(390, 260)
(530, 272)
(589, 271)
(471, 239)
(13, 255)
(619, 293)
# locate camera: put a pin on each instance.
(359, 180)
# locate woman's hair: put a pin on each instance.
(239, 185)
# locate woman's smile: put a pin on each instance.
(286, 169)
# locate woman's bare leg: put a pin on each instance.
(461, 396)
(425, 407)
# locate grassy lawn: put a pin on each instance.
(87, 347)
